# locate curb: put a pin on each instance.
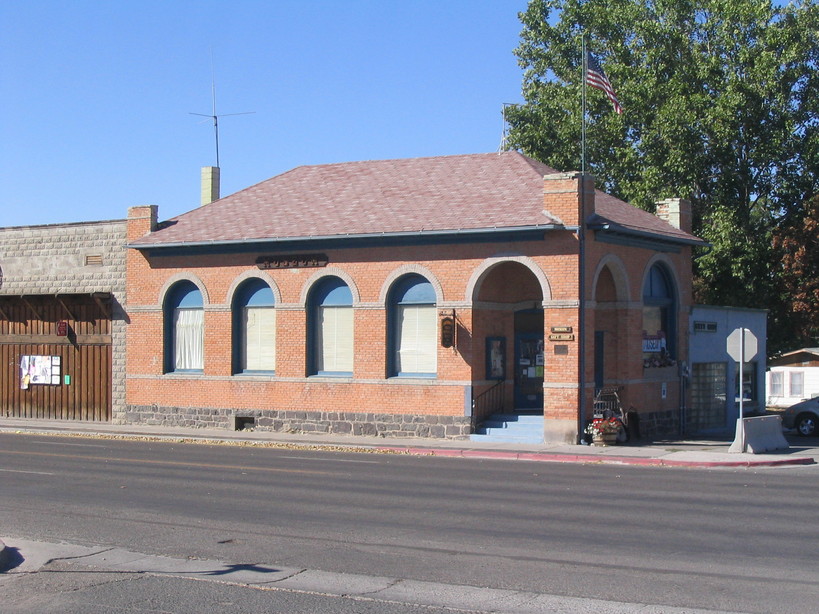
(597, 459)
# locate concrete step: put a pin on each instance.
(510, 428)
(507, 437)
(525, 422)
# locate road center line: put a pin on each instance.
(62, 443)
(22, 471)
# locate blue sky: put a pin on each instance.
(96, 96)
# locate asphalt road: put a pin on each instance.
(728, 540)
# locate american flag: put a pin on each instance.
(597, 78)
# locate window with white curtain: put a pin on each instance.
(797, 383)
(777, 387)
(189, 339)
(413, 323)
(330, 328)
(254, 328)
(184, 329)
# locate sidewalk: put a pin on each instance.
(703, 454)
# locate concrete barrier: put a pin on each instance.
(758, 435)
(4, 556)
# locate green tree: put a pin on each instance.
(721, 106)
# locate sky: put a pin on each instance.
(97, 97)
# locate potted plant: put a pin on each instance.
(604, 430)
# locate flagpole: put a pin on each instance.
(581, 265)
(583, 111)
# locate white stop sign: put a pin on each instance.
(735, 342)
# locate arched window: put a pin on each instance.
(184, 328)
(412, 328)
(659, 319)
(330, 328)
(254, 328)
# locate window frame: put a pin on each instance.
(182, 296)
(796, 391)
(330, 292)
(749, 381)
(659, 296)
(777, 383)
(254, 293)
(408, 292)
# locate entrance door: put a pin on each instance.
(529, 360)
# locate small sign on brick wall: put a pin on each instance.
(302, 261)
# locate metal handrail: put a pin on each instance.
(489, 401)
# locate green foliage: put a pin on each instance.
(721, 106)
(795, 318)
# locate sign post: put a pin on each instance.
(742, 347)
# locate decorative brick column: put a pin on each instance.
(569, 199)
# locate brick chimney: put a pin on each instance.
(210, 184)
(677, 212)
(562, 194)
(142, 220)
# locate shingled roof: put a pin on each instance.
(439, 195)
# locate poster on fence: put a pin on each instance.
(39, 370)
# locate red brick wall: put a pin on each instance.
(621, 318)
(505, 288)
(451, 266)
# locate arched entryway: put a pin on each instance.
(610, 318)
(507, 300)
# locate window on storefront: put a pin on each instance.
(659, 319)
(330, 329)
(748, 382)
(254, 328)
(412, 328)
(184, 329)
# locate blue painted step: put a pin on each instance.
(510, 428)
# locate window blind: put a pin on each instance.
(418, 341)
(335, 339)
(259, 347)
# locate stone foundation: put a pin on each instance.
(335, 423)
(659, 424)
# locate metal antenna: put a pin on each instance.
(214, 116)
(505, 130)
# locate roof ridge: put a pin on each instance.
(532, 162)
(385, 160)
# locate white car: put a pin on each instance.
(803, 417)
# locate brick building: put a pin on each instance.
(62, 321)
(407, 298)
